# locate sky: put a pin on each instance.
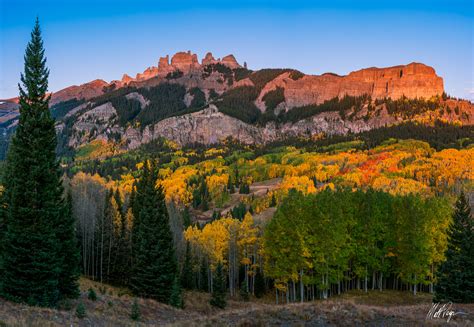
(86, 40)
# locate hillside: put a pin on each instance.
(191, 102)
(113, 308)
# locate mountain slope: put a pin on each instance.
(187, 101)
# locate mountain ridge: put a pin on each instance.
(187, 62)
(189, 101)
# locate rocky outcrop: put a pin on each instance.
(150, 72)
(210, 126)
(207, 126)
(126, 79)
(208, 59)
(230, 61)
(140, 98)
(185, 61)
(164, 63)
(413, 81)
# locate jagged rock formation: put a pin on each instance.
(97, 118)
(208, 59)
(230, 61)
(126, 79)
(414, 80)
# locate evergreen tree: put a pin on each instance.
(38, 232)
(135, 313)
(244, 188)
(244, 291)
(155, 261)
(70, 272)
(92, 295)
(81, 310)
(187, 273)
(218, 288)
(204, 284)
(273, 200)
(186, 218)
(176, 299)
(230, 185)
(259, 288)
(455, 277)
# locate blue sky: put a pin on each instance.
(87, 39)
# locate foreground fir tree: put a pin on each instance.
(218, 288)
(155, 268)
(187, 277)
(39, 251)
(455, 277)
(70, 272)
(176, 299)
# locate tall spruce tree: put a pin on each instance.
(38, 247)
(70, 272)
(187, 277)
(455, 277)
(219, 288)
(155, 267)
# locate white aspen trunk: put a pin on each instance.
(110, 252)
(414, 286)
(380, 281)
(373, 280)
(301, 286)
(365, 282)
(325, 291)
(431, 281)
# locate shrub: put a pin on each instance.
(244, 292)
(91, 295)
(80, 310)
(135, 313)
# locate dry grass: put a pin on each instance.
(356, 308)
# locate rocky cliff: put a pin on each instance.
(414, 80)
(190, 101)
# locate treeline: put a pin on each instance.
(336, 104)
(165, 100)
(408, 108)
(333, 241)
(440, 136)
(60, 109)
(239, 103)
(130, 241)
